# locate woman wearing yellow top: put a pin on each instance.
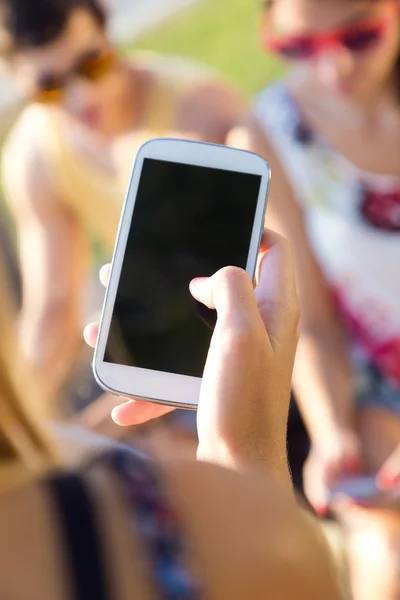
(66, 162)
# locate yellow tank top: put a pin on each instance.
(90, 192)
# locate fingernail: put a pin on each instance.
(388, 479)
(197, 282)
(321, 510)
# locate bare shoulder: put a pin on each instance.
(33, 539)
(28, 545)
(25, 174)
(26, 133)
(219, 95)
(282, 204)
(249, 536)
(207, 106)
(212, 108)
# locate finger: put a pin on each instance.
(276, 290)
(135, 412)
(268, 239)
(202, 287)
(389, 475)
(230, 292)
(239, 137)
(90, 334)
(97, 416)
(319, 499)
(105, 274)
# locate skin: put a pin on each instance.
(109, 111)
(258, 544)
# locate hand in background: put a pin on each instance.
(325, 467)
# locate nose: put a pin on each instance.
(334, 65)
(80, 93)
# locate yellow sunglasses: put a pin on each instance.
(92, 66)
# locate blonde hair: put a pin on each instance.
(25, 446)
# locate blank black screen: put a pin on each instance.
(188, 222)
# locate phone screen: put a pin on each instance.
(188, 221)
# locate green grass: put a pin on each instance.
(221, 33)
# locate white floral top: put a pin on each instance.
(353, 220)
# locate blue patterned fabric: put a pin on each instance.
(157, 525)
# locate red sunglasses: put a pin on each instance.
(356, 38)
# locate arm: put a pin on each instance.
(322, 379)
(210, 112)
(53, 259)
(247, 536)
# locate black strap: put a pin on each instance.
(77, 520)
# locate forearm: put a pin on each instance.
(51, 343)
(323, 385)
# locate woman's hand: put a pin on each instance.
(244, 401)
(132, 412)
(384, 505)
(327, 466)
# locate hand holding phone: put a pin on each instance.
(191, 210)
(245, 394)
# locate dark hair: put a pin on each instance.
(36, 23)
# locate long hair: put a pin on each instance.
(25, 446)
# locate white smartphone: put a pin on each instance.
(191, 209)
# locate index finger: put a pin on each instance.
(230, 292)
(276, 292)
(105, 274)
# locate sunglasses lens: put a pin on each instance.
(48, 97)
(94, 67)
(358, 41)
(49, 90)
(296, 49)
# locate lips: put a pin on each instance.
(90, 117)
(344, 86)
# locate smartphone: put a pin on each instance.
(191, 209)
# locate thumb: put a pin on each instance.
(230, 292)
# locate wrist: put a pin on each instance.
(337, 442)
(274, 460)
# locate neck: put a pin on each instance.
(384, 97)
(130, 106)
